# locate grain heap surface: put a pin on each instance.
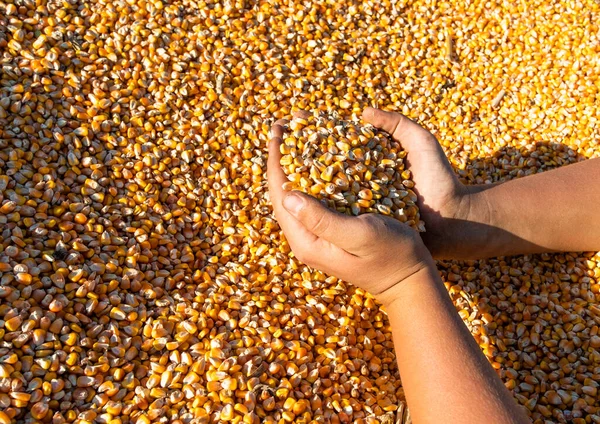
(143, 276)
(353, 168)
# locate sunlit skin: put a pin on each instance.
(445, 376)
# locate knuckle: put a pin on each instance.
(321, 224)
(399, 126)
(379, 227)
(372, 225)
(428, 137)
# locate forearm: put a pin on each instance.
(445, 375)
(545, 212)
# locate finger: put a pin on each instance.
(306, 245)
(297, 236)
(301, 114)
(326, 257)
(278, 127)
(275, 174)
(342, 230)
(407, 132)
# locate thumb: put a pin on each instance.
(324, 223)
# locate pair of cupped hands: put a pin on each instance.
(371, 251)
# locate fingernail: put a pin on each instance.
(293, 203)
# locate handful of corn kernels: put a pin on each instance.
(353, 168)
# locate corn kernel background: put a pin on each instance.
(144, 278)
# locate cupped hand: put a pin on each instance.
(442, 198)
(371, 251)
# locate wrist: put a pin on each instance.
(467, 230)
(423, 273)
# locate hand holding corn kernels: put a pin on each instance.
(382, 254)
(373, 251)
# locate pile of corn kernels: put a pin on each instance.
(143, 276)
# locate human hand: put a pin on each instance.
(371, 251)
(442, 199)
